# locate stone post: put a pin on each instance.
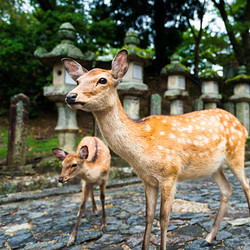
(176, 85)
(155, 104)
(19, 114)
(62, 83)
(210, 87)
(241, 96)
(132, 86)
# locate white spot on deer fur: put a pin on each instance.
(160, 147)
(203, 123)
(239, 133)
(239, 142)
(230, 142)
(169, 157)
(206, 140)
(164, 121)
(147, 128)
(167, 150)
(225, 123)
(162, 133)
(189, 141)
(171, 136)
(227, 116)
(196, 143)
(197, 127)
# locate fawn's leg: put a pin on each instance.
(151, 194)
(167, 196)
(94, 209)
(85, 196)
(102, 198)
(226, 192)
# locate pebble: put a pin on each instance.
(47, 222)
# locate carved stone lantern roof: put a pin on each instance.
(241, 84)
(135, 53)
(132, 82)
(175, 67)
(241, 77)
(209, 74)
(66, 48)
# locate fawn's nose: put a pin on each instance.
(70, 98)
(60, 179)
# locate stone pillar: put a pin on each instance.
(66, 127)
(62, 83)
(155, 104)
(19, 114)
(210, 87)
(176, 85)
(241, 96)
(132, 86)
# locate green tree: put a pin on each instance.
(160, 23)
(236, 17)
(22, 30)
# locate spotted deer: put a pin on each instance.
(91, 164)
(162, 149)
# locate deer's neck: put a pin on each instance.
(121, 133)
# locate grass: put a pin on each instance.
(35, 148)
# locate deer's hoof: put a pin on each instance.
(71, 241)
(205, 244)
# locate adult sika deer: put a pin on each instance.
(162, 149)
(91, 164)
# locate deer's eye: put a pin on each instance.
(74, 165)
(102, 81)
(77, 82)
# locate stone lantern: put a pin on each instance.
(210, 87)
(241, 95)
(62, 83)
(132, 86)
(176, 85)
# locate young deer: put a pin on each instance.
(91, 164)
(162, 149)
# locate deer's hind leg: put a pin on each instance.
(86, 189)
(226, 192)
(236, 165)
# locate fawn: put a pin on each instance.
(91, 164)
(162, 149)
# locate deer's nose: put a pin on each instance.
(70, 98)
(60, 179)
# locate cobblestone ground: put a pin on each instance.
(46, 223)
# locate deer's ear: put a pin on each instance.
(74, 69)
(59, 153)
(120, 64)
(84, 152)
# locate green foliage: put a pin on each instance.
(214, 48)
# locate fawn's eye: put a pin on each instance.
(102, 81)
(74, 165)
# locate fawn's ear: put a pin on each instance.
(120, 64)
(59, 153)
(74, 69)
(84, 152)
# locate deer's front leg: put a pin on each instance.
(151, 194)
(85, 196)
(167, 196)
(94, 208)
(102, 198)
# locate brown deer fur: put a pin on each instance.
(162, 149)
(91, 164)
